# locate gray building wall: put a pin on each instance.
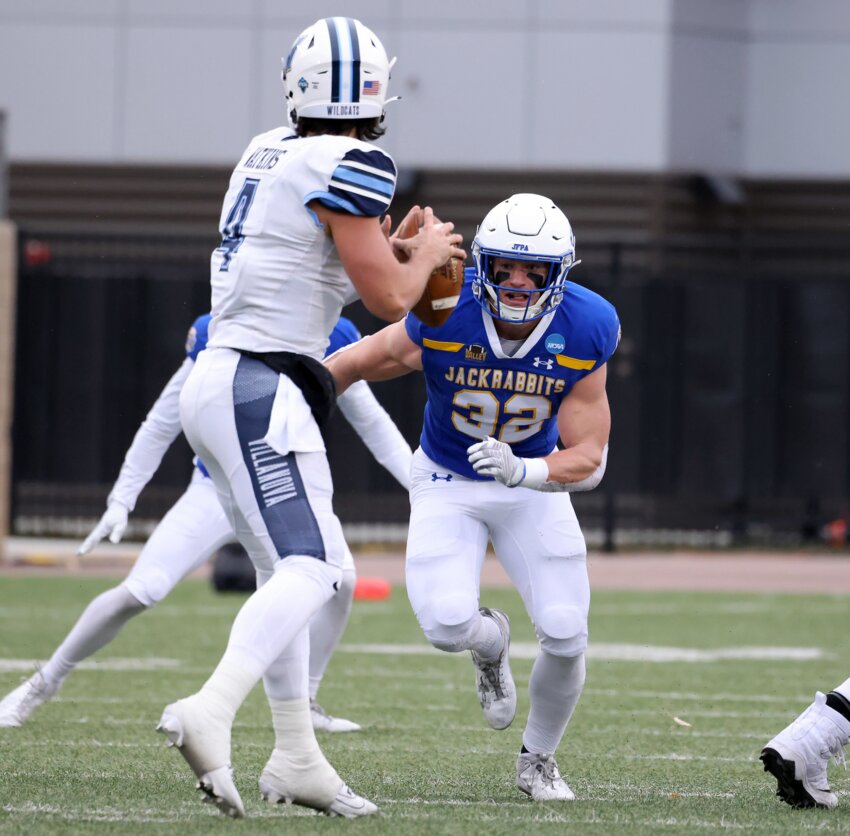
(750, 87)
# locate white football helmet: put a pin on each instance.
(525, 227)
(337, 69)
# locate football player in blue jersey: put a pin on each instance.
(193, 530)
(520, 363)
(304, 231)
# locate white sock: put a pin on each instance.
(297, 761)
(286, 677)
(227, 688)
(843, 689)
(99, 624)
(486, 638)
(554, 689)
(271, 618)
(327, 627)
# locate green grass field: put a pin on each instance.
(90, 761)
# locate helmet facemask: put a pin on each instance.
(525, 227)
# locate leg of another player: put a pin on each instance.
(548, 566)
(185, 538)
(326, 629)
(799, 755)
(446, 545)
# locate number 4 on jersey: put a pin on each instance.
(232, 236)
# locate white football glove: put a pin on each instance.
(496, 459)
(112, 523)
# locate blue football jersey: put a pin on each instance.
(196, 339)
(344, 333)
(475, 390)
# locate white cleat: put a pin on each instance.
(322, 721)
(799, 755)
(16, 706)
(204, 742)
(280, 783)
(538, 776)
(493, 679)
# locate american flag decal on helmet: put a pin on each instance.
(371, 88)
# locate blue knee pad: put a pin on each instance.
(562, 630)
(448, 624)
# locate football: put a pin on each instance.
(442, 290)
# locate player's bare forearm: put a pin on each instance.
(584, 424)
(388, 354)
(575, 464)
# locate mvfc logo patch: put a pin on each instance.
(476, 352)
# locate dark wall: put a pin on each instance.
(729, 392)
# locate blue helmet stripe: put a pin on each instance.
(355, 60)
(335, 63)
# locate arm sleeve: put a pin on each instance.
(372, 423)
(363, 183)
(152, 439)
(414, 328)
(610, 336)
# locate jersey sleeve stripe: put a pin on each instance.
(336, 202)
(574, 363)
(376, 159)
(371, 169)
(381, 185)
(439, 345)
(347, 189)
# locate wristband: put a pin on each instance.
(535, 474)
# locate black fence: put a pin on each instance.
(729, 391)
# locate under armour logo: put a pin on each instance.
(435, 476)
(545, 362)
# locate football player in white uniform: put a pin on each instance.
(192, 531)
(302, 236)
(521, 359)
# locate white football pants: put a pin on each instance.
(193, 530)
(280, 508)
(536, 538)
(277, 505)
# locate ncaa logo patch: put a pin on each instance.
(555, 343)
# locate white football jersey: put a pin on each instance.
(277, 280)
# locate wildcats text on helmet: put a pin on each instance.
(344, 110)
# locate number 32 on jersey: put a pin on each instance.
(481, 415)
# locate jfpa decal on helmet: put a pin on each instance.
(525, 227)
